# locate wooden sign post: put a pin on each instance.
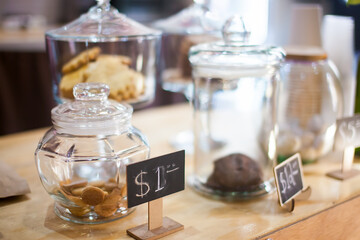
(289, 182)
(347, 136)
(149, 181)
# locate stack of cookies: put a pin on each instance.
(113, 70)
(104, 198)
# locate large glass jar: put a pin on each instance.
(81, 160)
(181, 31)
(310, 102)
(235, 96)
(104, 46)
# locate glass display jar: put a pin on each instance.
(310, 102)
(82, 159)
(105, 46)
(181, 31)
(235, 96)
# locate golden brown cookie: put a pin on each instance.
(110, 204)
(82, 59)
(112, 180)
(92, 195)
(98, 183)
(125, 85)
(74, 199)
(109, 186)
(118, 58)
(69, 186)
(124, 82)
(77, 191)
(79, 211)
(69, 80)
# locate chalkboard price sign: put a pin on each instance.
(289, 178)
(155, 178)
(347, 132)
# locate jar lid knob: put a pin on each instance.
(234, 30)
(104, 4)
(91, 91)
(201, 2)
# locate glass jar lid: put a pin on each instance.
(102, 23)
(191, 20)
(91, 113)
(234, 52)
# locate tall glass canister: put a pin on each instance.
(310, 102)
(235, 98)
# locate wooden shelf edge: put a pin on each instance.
(340, 221)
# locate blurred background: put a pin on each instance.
(25, 83)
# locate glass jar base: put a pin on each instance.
(265, 188)
(90, 217)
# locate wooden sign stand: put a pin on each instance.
(346, 171)
(157, 226)
(303, 195)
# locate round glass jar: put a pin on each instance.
(310, 102)
(235, 96)
(82, 159)
(105, 46)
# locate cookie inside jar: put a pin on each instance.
(235, 172)
(93, 66)
(92, 199)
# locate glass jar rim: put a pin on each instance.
(237, 55)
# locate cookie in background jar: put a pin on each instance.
(91, 66)
(124, 82)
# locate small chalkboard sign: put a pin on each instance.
(149, 181)
(155, 178)
(289, 179)
(347, 132)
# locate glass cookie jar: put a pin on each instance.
(235, 96)
(310, 102)
(105, 46)
(81, 160)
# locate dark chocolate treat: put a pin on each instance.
(212, 183)
(235, 172)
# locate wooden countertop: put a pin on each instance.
(32, 40)
(332, 212)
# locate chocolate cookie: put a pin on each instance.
(235, 172)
